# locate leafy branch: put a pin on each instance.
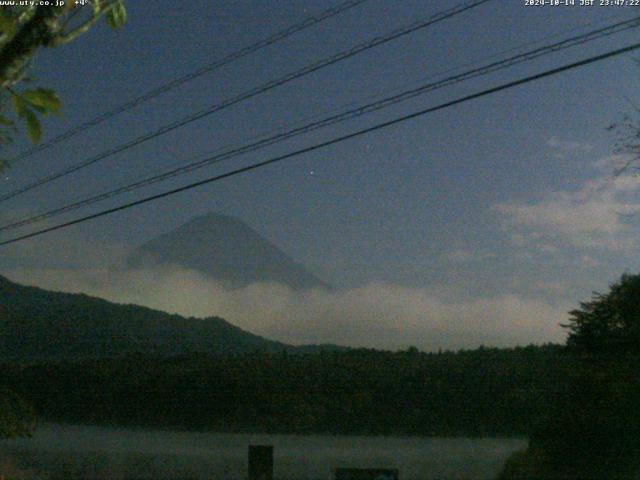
(24, 30)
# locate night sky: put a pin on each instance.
(481, 223)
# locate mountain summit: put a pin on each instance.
(227, 250)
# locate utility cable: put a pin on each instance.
(438, 17)
(156, 92)
(228, 153)
(333, 141)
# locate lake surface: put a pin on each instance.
(89, 452)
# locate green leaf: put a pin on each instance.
(117, 16)
(7, 25)
(33, 126)
(19, 105)
(43, 100)
(41, 111)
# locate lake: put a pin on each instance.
(89, 452)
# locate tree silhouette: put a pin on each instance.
(610, 323)
(593, 428)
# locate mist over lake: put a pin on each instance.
(88, 452)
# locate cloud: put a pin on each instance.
(546, 248)
(601, 213)
(463, 255)
(613, 163)
(562, 147)
(66, 248)
(459, 255)
(552, 287)
(376, 315)
(589, 261)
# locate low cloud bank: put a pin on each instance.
(601, 213)
(376, 315)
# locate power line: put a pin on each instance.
(333, 141)
(156, 92)
(334, 119)
(438, 17)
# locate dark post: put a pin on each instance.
(366, 474)
(260, 462)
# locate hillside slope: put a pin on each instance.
(37, 325)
